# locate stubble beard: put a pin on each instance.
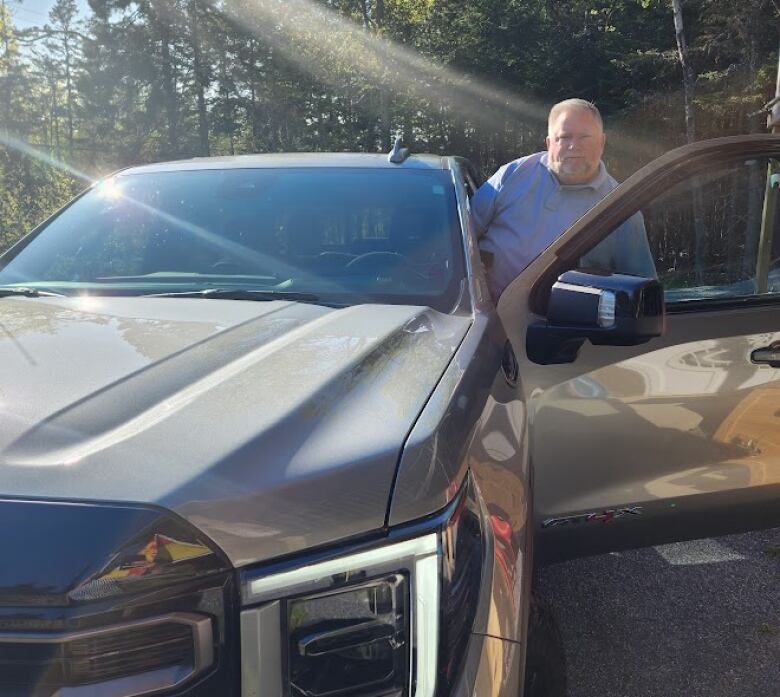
(574, 172)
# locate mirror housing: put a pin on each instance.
(606, 308)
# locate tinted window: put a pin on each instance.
(712, 236)
(355, 235)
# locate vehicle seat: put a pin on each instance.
(413, 234)
(303, 233)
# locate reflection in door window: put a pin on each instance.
(708, 233)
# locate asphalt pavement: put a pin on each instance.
(699, 619)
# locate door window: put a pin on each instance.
(713, 236)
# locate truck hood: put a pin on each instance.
(270, 426)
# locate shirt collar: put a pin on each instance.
(596, 184)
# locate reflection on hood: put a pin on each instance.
(270, 425)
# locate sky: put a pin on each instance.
(28, 13)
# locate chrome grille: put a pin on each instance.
(117, 655)
(173, 647)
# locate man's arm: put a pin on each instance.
(484, 202)
(626, 250)
(633, 253)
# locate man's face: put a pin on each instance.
(575, 144)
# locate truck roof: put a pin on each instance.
(288, 160)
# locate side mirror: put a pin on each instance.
(606, 308)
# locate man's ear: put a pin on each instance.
(547, 142)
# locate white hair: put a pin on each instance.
(580, 104)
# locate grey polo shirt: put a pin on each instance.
(523, 208)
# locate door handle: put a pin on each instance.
(769, 355)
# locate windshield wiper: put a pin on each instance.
(240, 294)
(28, 292)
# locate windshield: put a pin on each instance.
(345, 235)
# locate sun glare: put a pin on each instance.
(317, 40)
(110, 189)
(27, 149)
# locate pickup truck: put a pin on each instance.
(265, 432)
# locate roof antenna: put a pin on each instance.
(398, 154)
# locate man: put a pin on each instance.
(529, 202)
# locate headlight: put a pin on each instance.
(351, 639)
(388, 619)
(115, 600)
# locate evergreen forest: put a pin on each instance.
(120, 82)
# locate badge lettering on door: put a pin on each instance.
(604, 517)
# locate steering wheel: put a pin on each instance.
(389, 263)
(226, 266)
(332, 262)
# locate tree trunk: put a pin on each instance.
(169, 91)
(5, 98)
(200, 79)
(69, 92)
(228, 112)
(701, 246)
(253, 87)
(55, 107)
(364, 12)
(733, 260)
(687, 70)
(383, 117)
(408, 131)
(769, 212)
(384, 120)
